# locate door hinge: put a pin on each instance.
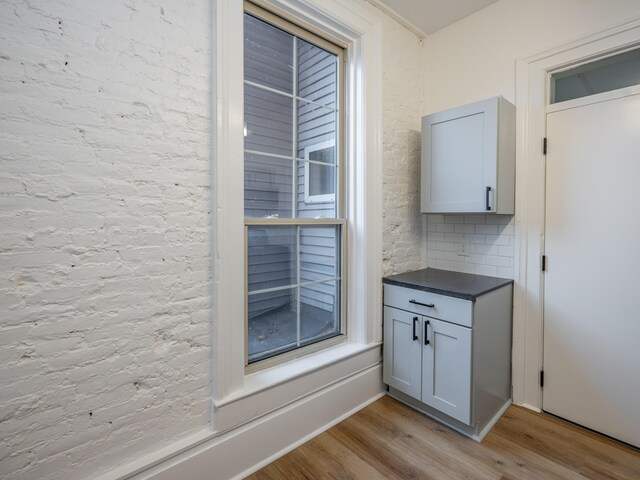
(544, 263)
(541, 378)
(544, 146)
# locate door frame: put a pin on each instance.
(532, 94)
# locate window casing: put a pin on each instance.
(293, 189)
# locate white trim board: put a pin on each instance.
(249, 448)
(532, 81)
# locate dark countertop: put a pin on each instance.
(445, 282)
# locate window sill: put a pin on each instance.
(263, 380)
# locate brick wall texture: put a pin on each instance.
(104, 231)
(403, 235)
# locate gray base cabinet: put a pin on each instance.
(449, 357)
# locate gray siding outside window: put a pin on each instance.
(275, 173)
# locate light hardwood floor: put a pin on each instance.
(388, 440)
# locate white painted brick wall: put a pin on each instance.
(104, 232)
(403, 236)
(491, 241)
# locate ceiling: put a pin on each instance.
(428, 16)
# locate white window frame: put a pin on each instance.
(359, 28)
(338, 222)
(308, 198)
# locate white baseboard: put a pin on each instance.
(247, 449)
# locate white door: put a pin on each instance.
(592, 282)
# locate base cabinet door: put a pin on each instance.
(446, 368)
(402, 351)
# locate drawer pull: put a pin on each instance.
(426, 332)
(430, 305)
(415, 322)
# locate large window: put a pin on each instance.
(293, 192)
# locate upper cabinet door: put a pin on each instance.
(468, 159)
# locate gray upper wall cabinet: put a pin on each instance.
(468, 159)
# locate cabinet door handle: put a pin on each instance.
(426, 332)
(430, 305)
(487, 198)
(415, 322)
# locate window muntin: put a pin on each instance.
(292, 144)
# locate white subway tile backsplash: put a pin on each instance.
(487, 229)
(454, 257)
(477, 219)
(486, 270)
(445, 228)
(505, 272)
(499, 239)
(477, 259)
(499, 219)
(445, 265)
(488, 249)
(436, 254)
(491, 241)
(509, 230)
(446, 246)
(464, 228)
(453, 219)
(453, 237)
(498, 261)
(465, 267)
(475, 238)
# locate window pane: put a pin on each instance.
(321, 180)
(273, 323)
(268, 183)
(603, 75)
(272, 257)
(322, 154)
(269, 122)
(319, 311)
(316, 125)
(317, 185)
(317, 74)
(319, 253)
(268, 55)
(291, 171)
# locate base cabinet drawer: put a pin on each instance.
(450, 309)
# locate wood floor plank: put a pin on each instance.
(389, 440)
